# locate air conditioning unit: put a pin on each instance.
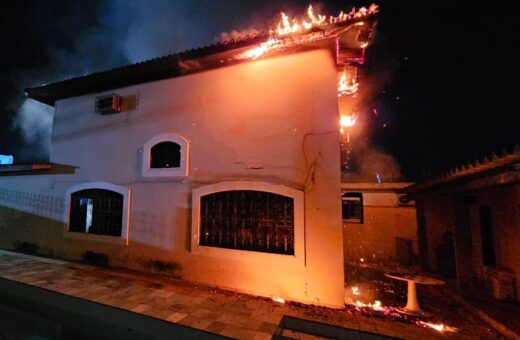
(403, 200)
(109, 104)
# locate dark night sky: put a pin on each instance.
(441, 76)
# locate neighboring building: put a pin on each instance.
(378, 224)
(469, 224)
(219, 164)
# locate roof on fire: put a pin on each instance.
(170, 66)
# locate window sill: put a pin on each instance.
(248, 255)
(168, 172)
(352, 222)
(95, 238)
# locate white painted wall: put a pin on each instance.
(249, 122)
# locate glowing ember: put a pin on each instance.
(393, 313)
(375, 306)
(347, 85)
(439, 327)
(278, 299)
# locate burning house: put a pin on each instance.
(220, 165)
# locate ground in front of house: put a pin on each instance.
(222, 312)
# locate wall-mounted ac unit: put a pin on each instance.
(402, 199)
(109, 104)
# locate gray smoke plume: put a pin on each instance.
(150, 29)
(34, 119)
(92, 49)
(121, 32)
(372, 165)
(98, 35)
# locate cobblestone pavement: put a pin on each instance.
(218, 311)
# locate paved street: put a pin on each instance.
(222, 312)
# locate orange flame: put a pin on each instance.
(377, 305)
(346, 122)
(259, 50)
(439, 327)
(347, 86)
(278, 299)
(288, 26)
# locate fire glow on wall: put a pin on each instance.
(293, 32)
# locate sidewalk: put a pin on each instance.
(221, 312)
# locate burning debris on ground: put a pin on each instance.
(369, 288)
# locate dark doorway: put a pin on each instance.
(488, 245)
(446, 265)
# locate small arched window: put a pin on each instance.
(165, 155)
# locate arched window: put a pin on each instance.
(96, 211)
(165, 155)
(247, 220)
(98, 208)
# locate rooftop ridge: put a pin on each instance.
(479, 165)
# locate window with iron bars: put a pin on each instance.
(96, 211)
(352, 207)
(248, 220)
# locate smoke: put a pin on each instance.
(160, 27)
(78, 38)
(88, 37)
(80, 42)
(377, 109)
(156, 28)
(35, 121)
(236, 35)
(372, 165)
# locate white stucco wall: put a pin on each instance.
(273, 121)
